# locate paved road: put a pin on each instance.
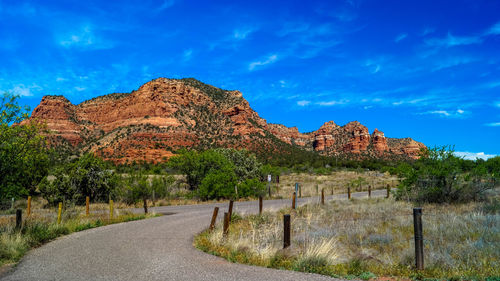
(153, 249)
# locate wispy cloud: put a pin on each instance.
(373, 66)
(473, 155)
(268, 60)
(25, 91)
(242, 33)
(452, 62)
(333, 102)
(494, 30)
(492, 84)
(166, 4)
(452, 41)
(427, 30)
(400, 37)
(303, 102)
(494, 124)
(82, 37)
(446, 113)
(187, 54)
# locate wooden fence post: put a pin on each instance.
(349, 193)
(286, 231)
(214, 218)
(87, 206)
(111, 209)
(226, 224)
(145, 205)
(28, 208)
(59, 212)
(19, 218)
(293, 200)
(419, 238)
(323, 196)
(369, 191)
(230, 209)
(260, 205)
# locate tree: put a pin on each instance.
(73, 182)
(439, 176)
(23, 151)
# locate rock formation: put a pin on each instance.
(164, 115)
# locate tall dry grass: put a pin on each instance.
(368, 237)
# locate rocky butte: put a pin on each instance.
(164, 115)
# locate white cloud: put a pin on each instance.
(166, 4)
(452, 62)
(400, 37)
(495, 124)
(451, 41)
(333, 102)
(25, 91)
(187, 54)
(492, 84)
(303, 102)
(446, 113)
(428, 30)
(79, 89)
(473, 155)
(83, 37)
(494, 30)
(243, 33)
(269, 60)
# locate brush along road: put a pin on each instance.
(153, 249)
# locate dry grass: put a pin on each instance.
(367, 237)
(334, 183)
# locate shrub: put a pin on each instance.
(86, 177)
(438, 176)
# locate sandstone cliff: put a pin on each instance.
(165, 115)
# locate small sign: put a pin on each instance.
(269, 178)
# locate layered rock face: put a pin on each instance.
(165, 115)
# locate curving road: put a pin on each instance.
(153, 249)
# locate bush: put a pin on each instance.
(218, 184)
(86, 177)
(440, 177)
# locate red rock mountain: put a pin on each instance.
(165, 115)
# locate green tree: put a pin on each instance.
(89, 176)
(23, 151)
(439, 176)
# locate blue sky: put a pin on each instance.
(429, 70)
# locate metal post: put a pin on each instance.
(214, 218)
(293, 200)
(419, 238)
(369, 191)
(323, 196)
(260, 205)
(286, 231)
(226, 224)
(19, 218)
(28, 208)
(349, 193)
